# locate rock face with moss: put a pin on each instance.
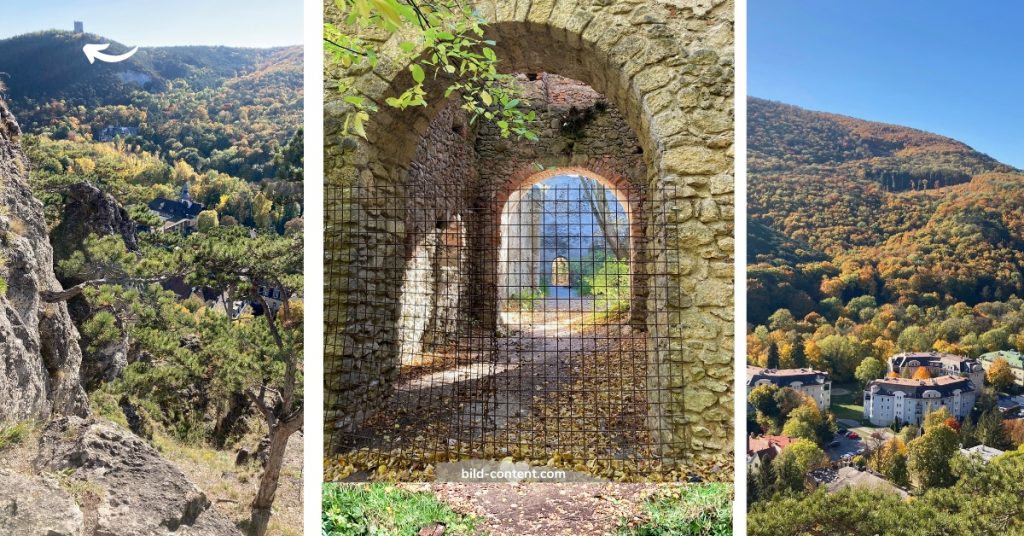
(39, 371)
(90, 211)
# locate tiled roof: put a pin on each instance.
(785, 376)
(945, 385)
(758, 444)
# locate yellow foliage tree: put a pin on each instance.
(922, 374)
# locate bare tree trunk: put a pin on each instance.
(604, 214)
(264, 500)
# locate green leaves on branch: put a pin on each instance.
(440, 41)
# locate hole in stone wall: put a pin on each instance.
(459, 125)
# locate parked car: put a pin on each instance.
(841, 431)
(833, 444)
(852, 435)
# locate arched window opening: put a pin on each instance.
(560, 272)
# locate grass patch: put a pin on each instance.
(81, 491)
(14, 434)
(104, 404)
(526, 300)
(703, 510)
(614, 313)
(850, 405)
(385, 510)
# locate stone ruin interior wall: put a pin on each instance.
(578, 128)
(443, 169)
(668, 68)
(519, 270)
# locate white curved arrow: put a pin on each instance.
(93, 53)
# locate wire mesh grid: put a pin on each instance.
(515, 330)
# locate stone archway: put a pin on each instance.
(668, 69)
(560, 271)
(628, 190)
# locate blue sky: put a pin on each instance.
(953, 68)
(245, 23)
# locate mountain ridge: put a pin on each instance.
(50, 65)
(900, 214)
(785, 137)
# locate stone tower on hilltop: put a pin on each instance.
(79, 26)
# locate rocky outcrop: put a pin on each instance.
(134, 491)
(39, 370)
(37, 505)
(87, 211)
(90, 477)
(91, 211)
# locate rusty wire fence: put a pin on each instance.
(515, 328)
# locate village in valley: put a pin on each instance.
(862, 435)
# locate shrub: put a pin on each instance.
(602, 275)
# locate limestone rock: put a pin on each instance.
(39, 371)
(36, 505)
(137, 491)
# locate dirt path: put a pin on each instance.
(484, 394)
(570, 509)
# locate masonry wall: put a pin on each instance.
(667, 67)
(577, 128)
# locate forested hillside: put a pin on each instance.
(214, 108)
(869, 238)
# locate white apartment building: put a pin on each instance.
(814, 383)
(909, 400)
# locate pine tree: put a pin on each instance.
(991, 432)
(968, 436)
(772, 361)
(265, 351)
(798, 354)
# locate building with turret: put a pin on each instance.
(177, 216)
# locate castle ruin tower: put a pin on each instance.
(79, 26)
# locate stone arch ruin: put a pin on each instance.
(423, 193)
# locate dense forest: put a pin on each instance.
(842, 210)
(214, 108)
(866, 240)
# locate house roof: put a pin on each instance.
(1013, 357)
(765, 443)
(785, 376)
(958, 363)
(986, 453)
(851, 477)
(169, 209)
(944, 385)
